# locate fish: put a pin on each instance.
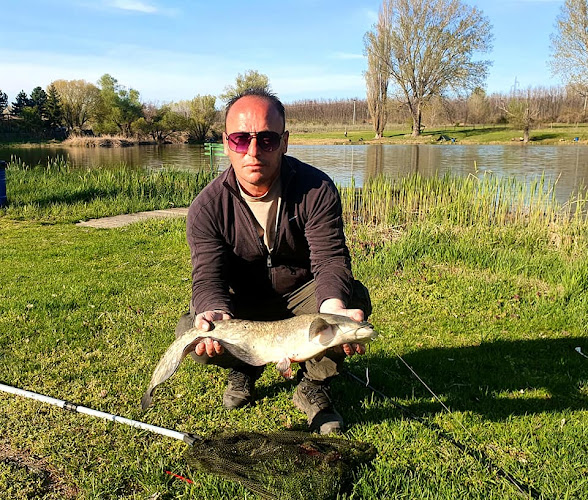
(259, 343)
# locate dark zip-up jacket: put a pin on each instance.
(229, 257)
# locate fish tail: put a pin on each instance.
(147, 399)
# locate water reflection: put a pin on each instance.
(566, 164)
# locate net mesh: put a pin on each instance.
(286, 465)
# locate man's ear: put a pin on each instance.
(225, 144)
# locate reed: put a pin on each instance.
(107, 141)
(465, 201)
(60, 192)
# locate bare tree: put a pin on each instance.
(377, 77)
(329, 111)
(433, 45)
(569, 46)
(522, 112)
(199, 114)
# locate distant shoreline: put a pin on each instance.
(557, 134)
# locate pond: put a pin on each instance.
(568, 164)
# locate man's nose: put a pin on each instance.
(253, 148)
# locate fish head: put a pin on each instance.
(331, 329)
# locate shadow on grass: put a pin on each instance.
(496, 380)
(461, 132)
(544, 136)
(69, 198)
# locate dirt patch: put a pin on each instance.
(45, 479)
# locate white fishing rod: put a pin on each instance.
(67, 405)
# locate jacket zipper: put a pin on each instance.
(262, 248)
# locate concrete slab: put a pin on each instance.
(126, 219)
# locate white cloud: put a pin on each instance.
(371, 15)
(347, 55)
(169, 75)
(134, 5)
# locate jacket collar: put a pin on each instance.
(287, 171)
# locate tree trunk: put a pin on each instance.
(416, 121)
(526, 134)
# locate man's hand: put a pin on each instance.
(202, 321)
(336, 306)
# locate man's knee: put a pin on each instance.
(360, 298)
(184, 324)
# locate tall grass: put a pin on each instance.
(59, 191)
(465, 201)
(501, 224)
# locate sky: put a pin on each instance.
(171, 50)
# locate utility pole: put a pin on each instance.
(514, 87)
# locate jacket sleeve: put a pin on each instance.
(329, 255)
(208, 251)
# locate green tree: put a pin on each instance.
(250, 79)
(569, 47)
(160, 123)
(38, 112)
(53, 109)
(119, 107)
(200, 115)
(32, 121)
(3, 104)
(478, 106)
(433, 44)
(38, 98)
(22, 101)
(79, 102)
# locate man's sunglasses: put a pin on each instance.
(267, 141)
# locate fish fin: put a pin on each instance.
(320, 332)
(172, 361)
(147, 399)
(284, 367)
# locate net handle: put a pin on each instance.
(66, 405)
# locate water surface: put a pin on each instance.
(566, 164)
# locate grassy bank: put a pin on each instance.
(480, 287)
(558, 134)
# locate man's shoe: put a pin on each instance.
(314, 399)
(239, 391)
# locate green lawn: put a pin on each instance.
(488, 312)
(559, 134)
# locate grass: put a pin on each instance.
(559, 134)
(70, 194)
(484, 296)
